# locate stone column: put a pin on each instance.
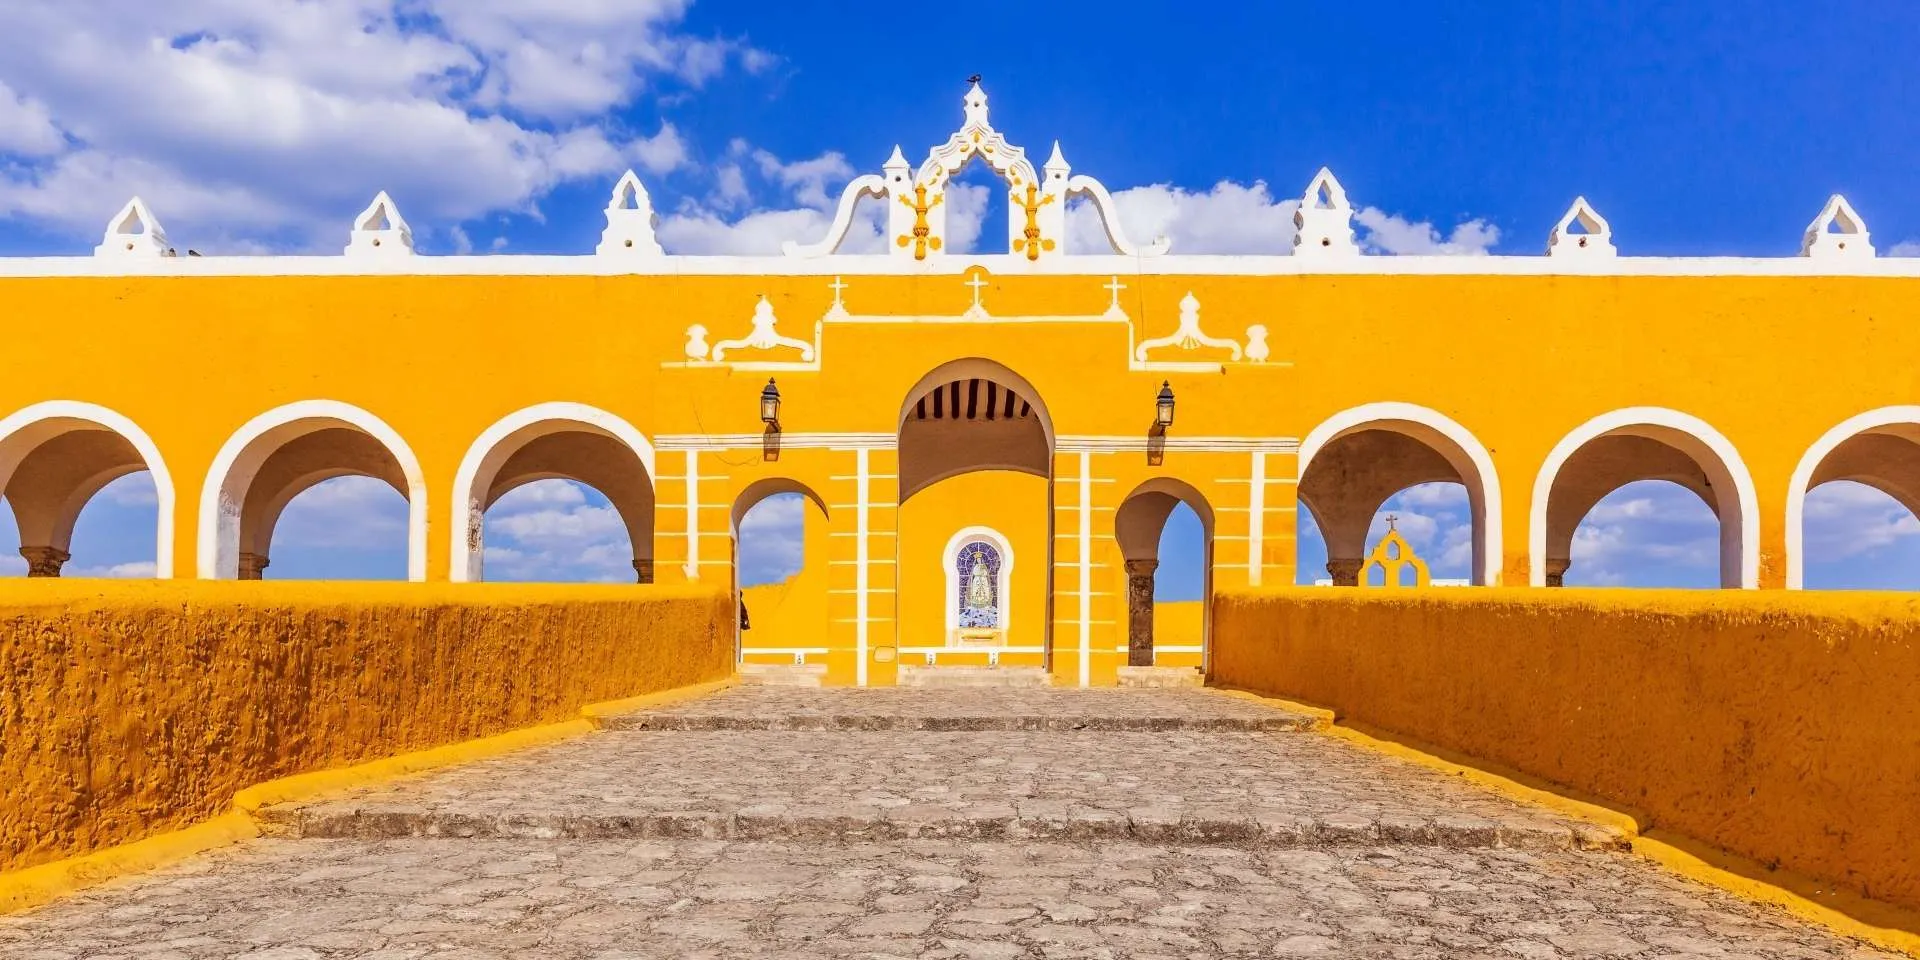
(1140, 612)
(1344, 571)
(252, 565)
(44, 561)
(1557, 570)
(644, 569)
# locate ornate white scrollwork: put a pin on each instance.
(865, 186)
(1110, 220)
(763, 337)
(1189, 336)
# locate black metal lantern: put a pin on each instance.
(1163, 407)
(770, 405)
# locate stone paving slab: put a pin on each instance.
(578, 900)
(979, 710)
(1178, 787)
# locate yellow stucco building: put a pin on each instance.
(989, 445)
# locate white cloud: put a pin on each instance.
(1646, 532)
(277, 119)
(350, 513)
(132, 490)
(1906, 248)
(1382, 232)
(772, 541)
(12, 565)
(556, 530)
(1232, 218)
(542, 492)
(1847, 519)
(138, 570)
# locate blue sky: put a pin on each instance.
(1696, 128)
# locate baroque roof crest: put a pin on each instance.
(916, 200)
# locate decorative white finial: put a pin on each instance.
(1837, 233)
(133, 232)
(630, 222)
(1056, 167)
(1257, 343)
(1324, 219)
(1595, 238)
(380, 231)
(697, 342)
(977, 106)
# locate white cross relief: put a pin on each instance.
(1113, 288)
(839, 308)
(977, 311)
(764, 336)
(1189, 336)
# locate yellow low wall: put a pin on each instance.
(132, 708)
(1782, 727)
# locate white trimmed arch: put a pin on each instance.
(497, 443)
(223, 496)
(1738, 510)
(1868, 422)
(26, 429)
(1445, 436)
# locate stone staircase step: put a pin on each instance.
(1161, 678)
(783, 674)
(385, 822)
(961, 723)
(915, 676)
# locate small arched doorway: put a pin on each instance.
(1852, 505)
(975, 454)
(1146, 526)
(780, 574)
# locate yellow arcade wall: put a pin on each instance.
(1517, 360)
(1780, 726)
(131, 708)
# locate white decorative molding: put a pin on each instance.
(1257, 343)
(863, 186)
(1595, 240)
(1110, 220)
(380, 231)
(134, 232)
(1324, 220)
(763, 337)
(1188, 336)
(1837, 233)
(697, 342)
(630, 222)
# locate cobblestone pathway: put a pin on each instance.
(795, 823)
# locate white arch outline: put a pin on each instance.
(1005, 585)
(27, 417)
(1739, 542)
(1810, 461)
(465, 561)
(1485, 502)
(219, 540)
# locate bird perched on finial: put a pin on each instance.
(974, 79)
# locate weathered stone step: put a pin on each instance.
(377, 822)
(1161, 678)
(783, 674)
(1274, 722)
(915, 676)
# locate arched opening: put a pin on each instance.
(56, 458)
(1644, 443)
(283, 454)
(1396, 458)
(1852, 503)
(780, 572)
(558, 442)
(1165, 531)
(975, 453)
(349, 527)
